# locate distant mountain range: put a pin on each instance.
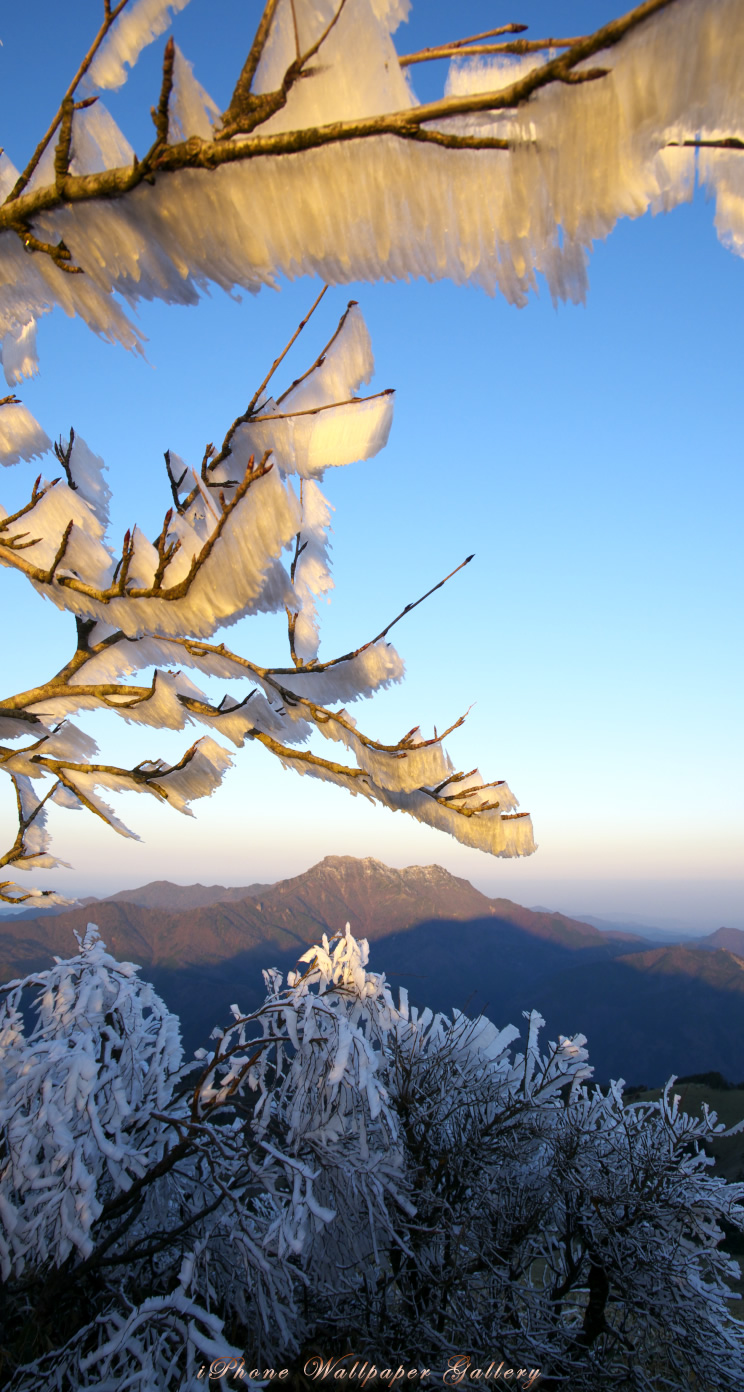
(648, 1010)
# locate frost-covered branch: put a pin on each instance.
(340, 1169)
(541, 144)
(217, 557)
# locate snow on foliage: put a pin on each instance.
(79, 1093)
(341, 1169)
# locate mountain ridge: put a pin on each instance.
(648, 1009)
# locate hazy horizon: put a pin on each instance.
(702, 906)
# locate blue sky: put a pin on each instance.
(589, 456)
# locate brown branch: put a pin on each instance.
(458, 49)
(303, 756)
(175, 484)
(59, 253)
(730, 142)
(24, 178)
(209, 453)
(166, 554)
(459, 142)
(330, 406)
(256, 395)
(64, 143)
(63, 455)
(20, 897)
(347, 657)
(37, 494)
(311, 52)
(160, 116)
(406, 125)
(243, 101)
(247, 109)
(321, 356)
(423, 54)
(60, 552)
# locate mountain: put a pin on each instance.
(167, 926)
(161, 894)
(732, 939)
(675, 1009)
(225, 942)
(637, 928)
(648, 1010)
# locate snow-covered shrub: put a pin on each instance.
(82, 1094)
(343, 1172)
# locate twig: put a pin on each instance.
(423, 53)
(24, 178)
(175, 484)
(321, 356)
(256, 395)
(160, 116)
(64, 455)
(457, 49)
(17, 213)
(242, 97)
(347, 657)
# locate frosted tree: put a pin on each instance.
(216, 559)
(535, 149)
(342, 1172)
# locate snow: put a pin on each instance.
(328, 1135)
(136, 27)
(21, 437)
(584, 156)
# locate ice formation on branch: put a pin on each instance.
(341, 1168)
(217, 559)
(533, 152)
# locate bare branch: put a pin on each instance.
(311, 52)
(319, 360)
(346, 657)
(59, 553)
(243, 100)
(64, 143)
(166, 553)
(175, 483)
(264, 384)
(456, 45)
(64, 454)
(517, 47)
(160, 116)
(59, 253)
(730, 142)
(24, 178)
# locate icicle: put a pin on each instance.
(346, 365)
(21, 437)
(312, 571)
(191, 110)
(371, 670)
(97, 142)
(310, 443)
(135, 28)
(19, 353)
(198, 777)
(87, 470)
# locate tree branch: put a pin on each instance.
(23, 180)
(20, 209)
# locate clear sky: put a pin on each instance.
(590, 456)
